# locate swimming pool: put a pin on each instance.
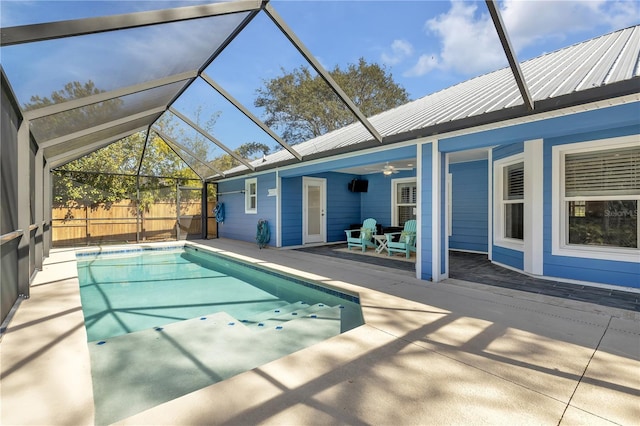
(165, 322)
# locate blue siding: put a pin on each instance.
(593, 270)
(343, 206)
(291, 211)
(469, 206)
(585, 122)
(237, 224)
(376, 202)
(426, 260)
(505, 256)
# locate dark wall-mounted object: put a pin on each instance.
(358, 185)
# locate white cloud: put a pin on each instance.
(623, 14)
(400, 50)
(469, 44)
(425, 64)
(529, 23)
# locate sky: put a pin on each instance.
(426, 45)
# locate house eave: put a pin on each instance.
(596, 94)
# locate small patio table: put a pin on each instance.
(381, 242)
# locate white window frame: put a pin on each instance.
(499, 203)
(248, 196)
(560, 219)
(394, 198)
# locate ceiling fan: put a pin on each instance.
(390, 169)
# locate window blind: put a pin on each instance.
(404, 214)
(514, 179)
(407, 193)
(610, 172)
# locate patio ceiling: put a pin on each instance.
(138, 90)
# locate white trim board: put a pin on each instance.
(533, 206)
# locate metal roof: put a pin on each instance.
(578, 69)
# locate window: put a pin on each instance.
(509, 204)
(513, 200)
(251, 196)
(405, 196)
(597, 200)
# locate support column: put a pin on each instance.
(47, 196)
(490, 204)
(23, 207)
(420, 213)
(177, 210)
(204, 214)
(428, 257)
(436, 214)
(138, 219)
(278, 209)
(39, 208)
(533, 206)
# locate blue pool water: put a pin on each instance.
(164, 323)
(126, 292)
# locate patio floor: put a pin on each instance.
(477, 268)
(454, 352)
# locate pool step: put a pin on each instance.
(192, 354)
(203, 325)
(280, 310)
(278, 317)
(304, 331)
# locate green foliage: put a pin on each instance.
(304, 106)
(108, 175)
(73, 188)
(98, 177)
(56, 125)
(73, 90)
(195, 142)
(249, 151)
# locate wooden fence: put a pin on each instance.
(121, 223)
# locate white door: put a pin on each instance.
(314, 200)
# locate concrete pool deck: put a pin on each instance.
(453, 352)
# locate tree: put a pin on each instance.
(68, 121)
(99, 177)
(303, 106)
(108, 175)
(249, 151)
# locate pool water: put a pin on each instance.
(163, 323)
(141, 290)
